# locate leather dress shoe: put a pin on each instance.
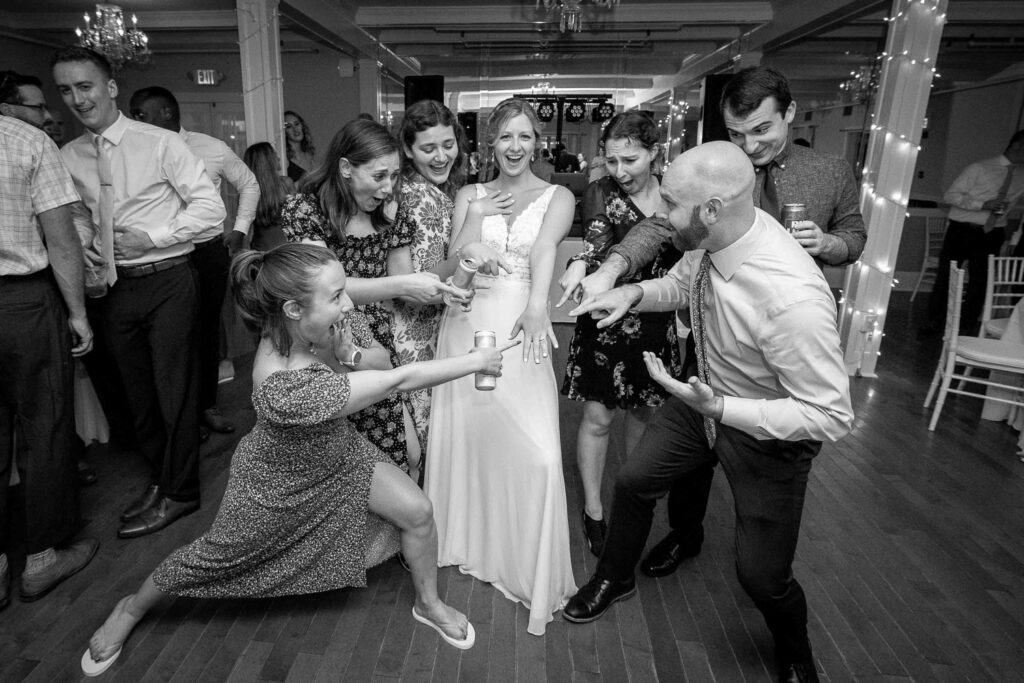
(163, 513)
(666, 557)
(798, 672)
(68, 562)
(594, 531)
(149, 498)
(86, 474)
(594, 599)
(215, 420)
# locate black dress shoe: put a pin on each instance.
(666, 557)
(86, 474)
(798, 672)
(144, 502)
(594, 530)
(215, 420)
(163, 513)
(596, 597)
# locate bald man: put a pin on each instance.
(771, 387)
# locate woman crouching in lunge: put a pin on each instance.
(306, 490)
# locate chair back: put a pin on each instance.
(1004, 288)
(953, 304)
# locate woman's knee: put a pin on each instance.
(597, 419)
(419, 513)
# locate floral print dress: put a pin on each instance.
(302, 218)
(607, 365)
(424, 213)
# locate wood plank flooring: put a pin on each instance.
(911, 555)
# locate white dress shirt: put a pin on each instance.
(160, 186)
(978, 183)
(223, 164)
(772, 343)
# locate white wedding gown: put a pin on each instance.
(494, 458)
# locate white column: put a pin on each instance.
(369, 88)
(259, 40)
(907, 68)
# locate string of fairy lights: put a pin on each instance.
(676, 112)
(889, 205)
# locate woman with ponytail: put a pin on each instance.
(308, 499)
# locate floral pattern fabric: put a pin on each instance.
(367, 256)
(424, 213)
(607, 365)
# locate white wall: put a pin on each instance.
(312, 84)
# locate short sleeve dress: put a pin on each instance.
(294, 518)
(367, 257)
(607, 365)
(425, 213)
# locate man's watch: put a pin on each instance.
(353, 360)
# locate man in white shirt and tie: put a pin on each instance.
(978, 202)
(159, 107)
(149, 197)
(771, 386)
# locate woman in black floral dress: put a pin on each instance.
(605, 367)
(344, 205)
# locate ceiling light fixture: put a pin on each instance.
(570, 12)
(108, 36)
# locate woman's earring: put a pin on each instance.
(533, 157)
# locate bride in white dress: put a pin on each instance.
(494, 458)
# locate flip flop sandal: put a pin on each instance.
(463, 644)
(91, 667)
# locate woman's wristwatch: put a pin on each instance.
(354, 358)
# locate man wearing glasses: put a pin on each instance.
(26, 101)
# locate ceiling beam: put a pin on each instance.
(192, 20)
(335, 24)
(392, 15)
(495, 33)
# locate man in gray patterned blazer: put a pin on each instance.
(758, 109)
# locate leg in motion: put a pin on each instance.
(397, 499)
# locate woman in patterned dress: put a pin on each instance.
(345, 205)
(306, 493)
(605, 368)
(433, 170)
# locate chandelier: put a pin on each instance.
(108, 36)
(570, 12)
(862, 83)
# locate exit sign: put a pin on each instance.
(205, 76)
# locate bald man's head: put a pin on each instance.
(709, 191)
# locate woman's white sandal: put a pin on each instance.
(463, 644)
(91, 667)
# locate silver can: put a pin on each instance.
(463, 279)
(485, 339)
(791, 213)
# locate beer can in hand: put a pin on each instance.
(485, 339)
(792, 213)
(463, 279)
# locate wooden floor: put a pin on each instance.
(911, 555)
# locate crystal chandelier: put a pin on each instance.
(571, 12)
(108, 36)
(860, 87)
